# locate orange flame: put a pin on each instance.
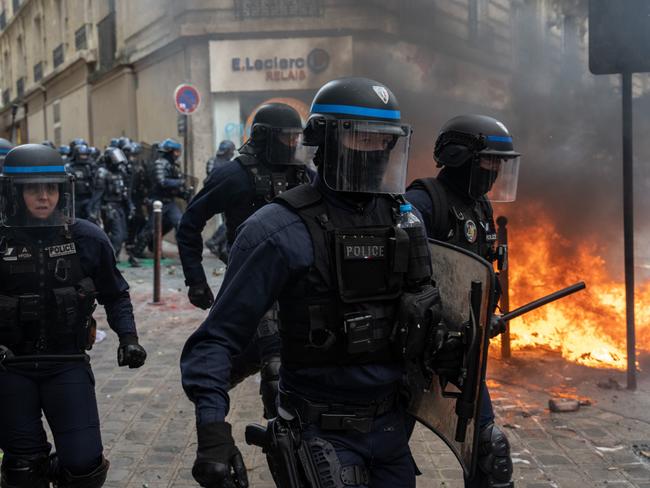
(588, 327)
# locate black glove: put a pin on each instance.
(219, 463)
(270, 373)
(497, 326)
(200, 296)
(447, 352)
(130, 353)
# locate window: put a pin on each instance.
(57, 55)
(80, 38)
(38, 71)
(56, 121)
(107, 41)
(16, 5)
(20, 87)
(6, 96)
(3, 20)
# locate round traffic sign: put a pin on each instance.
(187, 99)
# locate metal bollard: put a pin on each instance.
(157, 248)
(502, 241)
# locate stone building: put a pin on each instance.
(104, 68)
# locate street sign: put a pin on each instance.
(619, 36)
(187, 99)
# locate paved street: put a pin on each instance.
(148, 424)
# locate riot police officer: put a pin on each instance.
(113, 181)
(479, 165)
(168, 183)
(266, 167)
(52, 271)
(87, 198)
(326, 251)
(64, 152)
(139, 189)
(5, 147)
(218, 244)
(225, 152)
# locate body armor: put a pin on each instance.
(345, 310)
(46, 300)
(83, 184)
(463, 222)
(267, 183)
(115, 187)
(161, 170)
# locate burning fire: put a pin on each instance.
(588, 327)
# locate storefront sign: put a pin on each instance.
(278, 64)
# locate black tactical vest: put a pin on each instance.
(83, 183)
(46, 301)
(466, 223)
(344, 310)
(116, 187)
(267, 183)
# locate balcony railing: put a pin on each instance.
(38, 71)
(57, 55)
(255, 9)
(81, 38)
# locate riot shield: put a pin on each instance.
(466, 284)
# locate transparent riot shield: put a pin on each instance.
(466, 284)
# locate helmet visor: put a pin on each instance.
(46, 201)
(366, 156)
(495, 176)
(285, 147)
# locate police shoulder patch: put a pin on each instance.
(470, 231)
(62, 250)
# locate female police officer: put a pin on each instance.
(51, 271)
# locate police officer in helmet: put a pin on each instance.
(52, 271)
(87, 198)
(168, 183)
(325, 251)
(479, 165)
(5, 147)
(270, 162)
(113, 180)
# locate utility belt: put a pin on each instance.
(30, 324)
(338, 416)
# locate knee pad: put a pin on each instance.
(25, 471)
(270, 374)
(494, 459)
(94, 479)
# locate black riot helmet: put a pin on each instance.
(81, 153)
(276, 135)
(78, 141)
(226, 149)
(35, 189)
(477, 154)
(115, 159)
(362, 143)
(123, 141)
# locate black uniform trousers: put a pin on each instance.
(115, 225)
(65, 393)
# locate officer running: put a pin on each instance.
(52, 270)
(479, 164)
(333, 255)
(168, 183)
(269, 164)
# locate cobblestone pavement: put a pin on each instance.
(148, 423)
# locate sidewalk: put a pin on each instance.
(148, 423)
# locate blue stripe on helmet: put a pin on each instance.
(499, 138)
(355, 110)
(33, 169)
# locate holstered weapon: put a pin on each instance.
(288, 456)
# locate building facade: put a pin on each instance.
(104, 68)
